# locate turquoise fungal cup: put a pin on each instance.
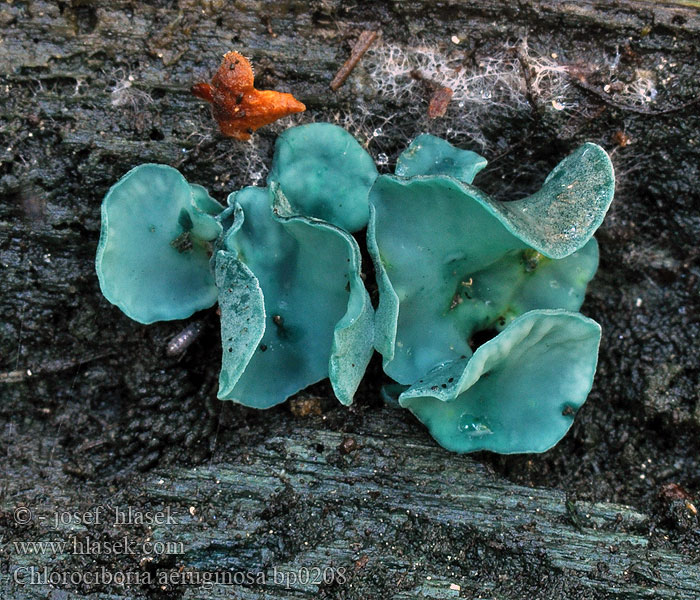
(454, 268)
(153, 254)
(519, 392)
(324, 173)
(294, 309)
(430, 155)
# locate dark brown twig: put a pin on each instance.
(268, 25)
(626, 107)
(526, 69)
(361, 46)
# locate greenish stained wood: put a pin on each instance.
(434, 527)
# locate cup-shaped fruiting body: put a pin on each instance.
(519, 392)
(294, 309)
(453, 266)
(155, 244)
(451, 262)
(324, 173)
(430, 155)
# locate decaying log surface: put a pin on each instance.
(94, 415)
(390, 519)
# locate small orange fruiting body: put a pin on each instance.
(237, 106)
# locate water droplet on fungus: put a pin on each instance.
(473, 426)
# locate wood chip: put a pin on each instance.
(439, 101)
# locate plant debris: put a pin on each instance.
(363, 43)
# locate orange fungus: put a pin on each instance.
(237, 106)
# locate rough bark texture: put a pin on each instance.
(94, 416)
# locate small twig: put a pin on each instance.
(361, 46)
(55, 366)
(268, 25)
(525, 67)
(626, 107)
(89, 445)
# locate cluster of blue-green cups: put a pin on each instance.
(476, 319)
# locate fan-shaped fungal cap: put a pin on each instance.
(324, 173)
(153, 254)
(298, 304)
(519, 392)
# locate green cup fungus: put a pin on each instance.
(312, 315)
(324, 173)
(153, 254)
(430, 155)
(453, 267)
(519, 392)
(294, 308)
